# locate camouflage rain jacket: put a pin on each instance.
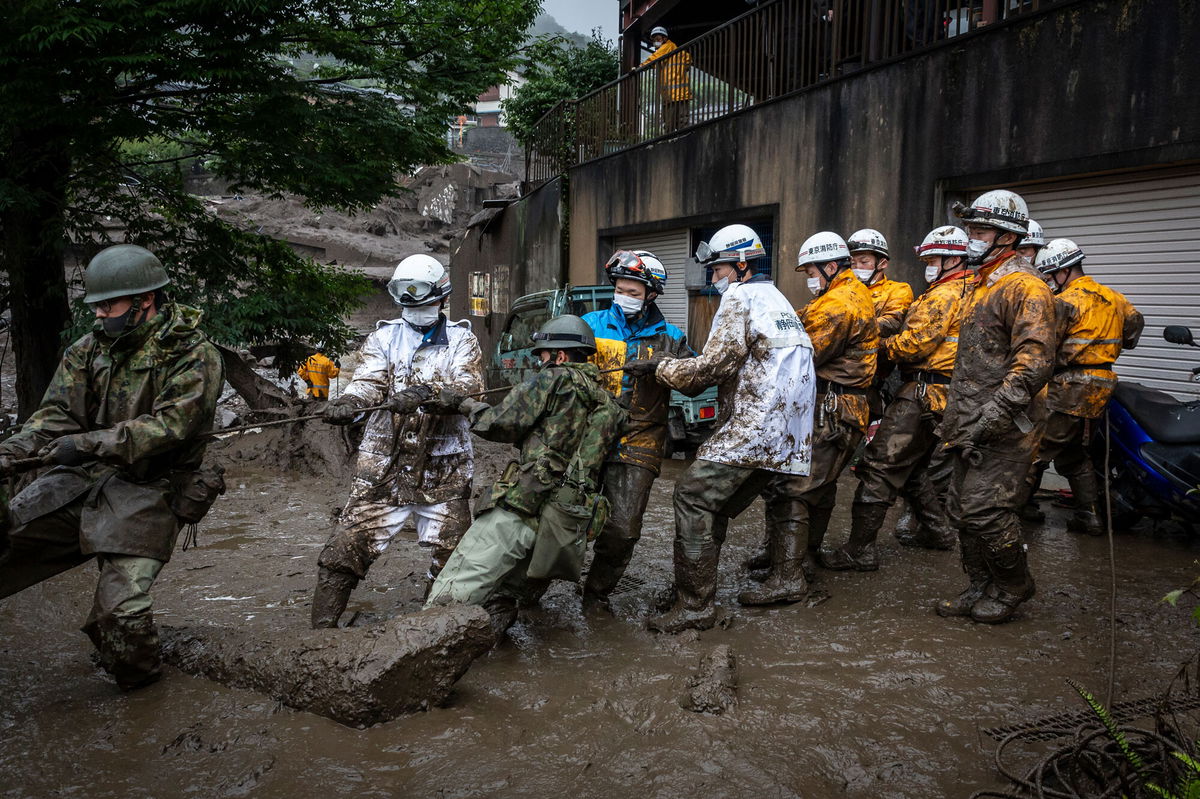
(1005, 351)
(845, 341)
(136, 405)
(925, 347)
(1094, 324)
(417, 458)
(647, 401)
(761, 361)
(562, 410)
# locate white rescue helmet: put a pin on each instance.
(1058, 255)
(659, 30)
(1034, 237)
(945, 240)
(419, 280)
(999, 208)
(822, 247)
(640, 265)
(868, 240)
(732, 243)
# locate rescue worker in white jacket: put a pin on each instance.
(411, 464)
(761, 359)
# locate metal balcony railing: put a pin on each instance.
(780, 47)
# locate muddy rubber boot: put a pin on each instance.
(1086, 490)
(330, 597)
(1087, 522)
(758, 565)
(786, 582)
(603, 576)
(907, 525)
(127, 648)
(979, 578)
(502, 611)
(818, 525)
(695, 595)
(1031, 512)
(858, 553)
(1011, 585)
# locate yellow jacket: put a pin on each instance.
(317, 371)
(1094, 324)
(891, 299)
(928, 341)
(673, 73)
(845, 339)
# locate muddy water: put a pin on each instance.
(867, 693)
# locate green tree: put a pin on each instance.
(101, 97)
(557, 71)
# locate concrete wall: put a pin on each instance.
(520, 248)
(1086, 87)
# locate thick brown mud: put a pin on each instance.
(867, 693)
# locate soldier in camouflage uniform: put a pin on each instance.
(411, 465)
(121, 423)
(564, 422)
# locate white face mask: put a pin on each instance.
(976, 249)
(421, 315)
(932, 273)
(631, 306)
(814, 285)
(865, 275)
(721, 285)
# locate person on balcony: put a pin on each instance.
(672, 73)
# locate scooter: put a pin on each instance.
(1153, 443)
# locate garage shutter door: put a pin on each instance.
(1141, 236)
(671, 248)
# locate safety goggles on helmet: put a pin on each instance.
(412, 292)
(540, 336)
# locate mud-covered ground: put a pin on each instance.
(866, 693)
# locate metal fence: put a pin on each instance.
(780, 47)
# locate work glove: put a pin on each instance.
(409, 399)
(993, 422)
(641, 367)
(445, 401)
(62, 452)
(342, 410)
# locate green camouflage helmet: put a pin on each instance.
(566, 332)
(123, 270)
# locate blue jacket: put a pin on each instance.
(643, 441)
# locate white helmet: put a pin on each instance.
(732, 243)
(419, 280)
(1058, 255)
(640, 265)
(999, 208)
(947, 240)
(868, 240)
(1033, 237)
(658, 30)
(824, 246)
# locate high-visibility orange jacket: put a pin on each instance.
(1094, 324)
(891, 299)
(928, 342)
(845, 339)
(317, 371)
(672, 73)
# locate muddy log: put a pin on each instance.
(355, 676)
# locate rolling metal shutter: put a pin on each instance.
(1140, 235)
(671, 248)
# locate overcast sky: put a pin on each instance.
(583, 15)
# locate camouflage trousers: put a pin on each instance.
(805, 504)
(367, 528)
(121, 621)
(902, 445)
